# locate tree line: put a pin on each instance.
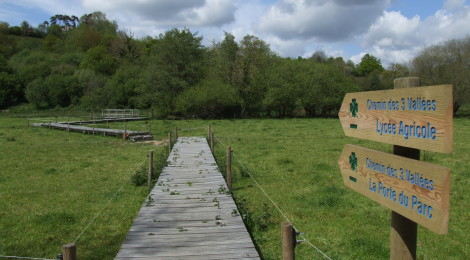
(88, 62)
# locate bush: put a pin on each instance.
(209, 100)
(139, 177)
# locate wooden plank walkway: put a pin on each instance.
(90, 130)
(189, 214)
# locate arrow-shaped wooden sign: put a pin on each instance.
(418, 117)
(416, 190)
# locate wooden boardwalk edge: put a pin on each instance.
(189, 214)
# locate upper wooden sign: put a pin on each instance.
(418, 117)
(417, 190)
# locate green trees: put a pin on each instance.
(10, 89)
(253, 58)
(283, 87)
(209, 99)
(369, 64)
(99, 60)
(175, 63)
(446, 63)
(88, 62)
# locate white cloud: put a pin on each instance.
(321, 20)
(291, 27)
(358, 57)
(168, 13)
(396, 38)
(453, 4)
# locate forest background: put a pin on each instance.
(88, 63)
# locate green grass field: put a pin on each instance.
(52, 183)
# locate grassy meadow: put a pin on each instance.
(295, 161)
(52, 183)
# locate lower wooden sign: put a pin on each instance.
(417, 190)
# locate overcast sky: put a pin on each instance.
(392, 30)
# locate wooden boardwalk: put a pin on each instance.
(189, 214)
(75, 127)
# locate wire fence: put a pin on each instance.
(191, 129)
(107, 203)
(24, 257)
(272, 201)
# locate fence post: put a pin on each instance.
(212, 142)
(176, 134)
(403, 231)
(69, 252)
(288, 241)
(50, 123)
(169, 142)
(228, 163)
(149, 178)
(209, 130)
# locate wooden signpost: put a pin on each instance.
(419, 117)
(411, 118)
(417, 190)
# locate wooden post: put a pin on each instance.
(80, 121)
(169, 142)
(212, 142)
(209, 130)
(403, 231)
(124, 136)
(288, 241)
(93, 129)
(149, 178)
(50, 123)
(69, 252)
(176, 134)
(107, 123)
(228, 164)
(68, 126)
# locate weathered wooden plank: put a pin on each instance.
(187, 208)
(195, 257)
(201, 245)
(184, 233)
(185, 251)
(186, 223)
(189, 213)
